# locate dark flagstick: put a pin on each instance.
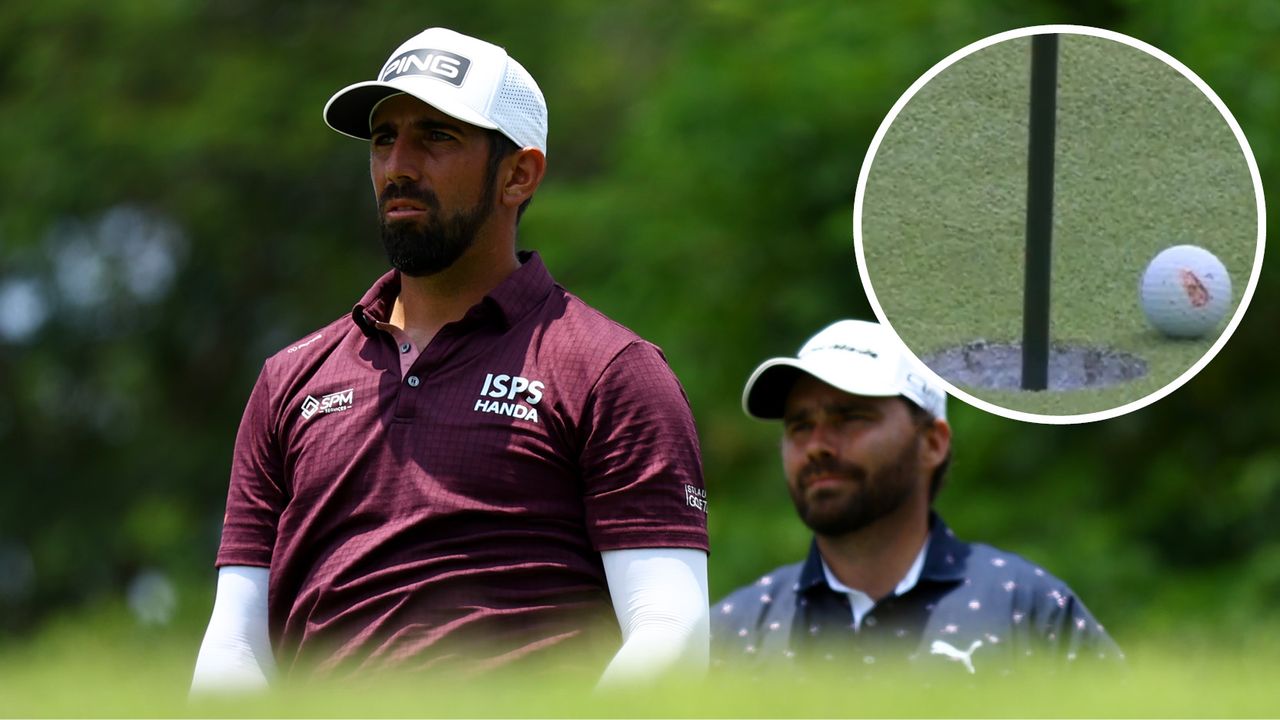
(1035, 309)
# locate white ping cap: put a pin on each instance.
(461, 76)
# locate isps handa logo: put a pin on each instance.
(333, 402)
(510, 395)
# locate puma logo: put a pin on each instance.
(941, 647)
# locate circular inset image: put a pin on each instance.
(1064, 224)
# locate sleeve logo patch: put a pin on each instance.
(695, 497)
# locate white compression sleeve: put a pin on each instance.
(236, 652)
(660, 597)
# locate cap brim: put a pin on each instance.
(350, 109)
(765, 396)
(766, 391)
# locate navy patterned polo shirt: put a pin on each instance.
(974, 609)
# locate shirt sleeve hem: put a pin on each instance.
(242, 556)
(634, 541)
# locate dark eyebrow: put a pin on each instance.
(797, 416)
(832, 408)
(852, 406)
(438, 125)
(424, 125)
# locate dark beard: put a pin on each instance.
(870, 498)
(418, 249)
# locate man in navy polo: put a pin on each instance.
(865, 449)
(472, 469)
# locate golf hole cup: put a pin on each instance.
(1185, 291)
(962, 254)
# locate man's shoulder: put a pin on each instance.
(779, 583)
(575, 317)
(586, 344)
(293, 366)
(1041, 601)
(983, 555)
(743, 618)
(988, 560)
(316, 344)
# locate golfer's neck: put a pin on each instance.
(426, 304)
(877, 557)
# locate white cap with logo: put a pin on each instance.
(461, 76)
(858, 357)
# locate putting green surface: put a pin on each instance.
(1143, 161)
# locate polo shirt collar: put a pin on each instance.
(944, 559)
(523, 290)
(947, 560)
(510, 301)
(377, 302)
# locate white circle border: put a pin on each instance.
(1067, 30)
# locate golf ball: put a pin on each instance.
(1185, 291)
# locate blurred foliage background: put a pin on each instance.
(174, 210)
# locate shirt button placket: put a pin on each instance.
(409, 402)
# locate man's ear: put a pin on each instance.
(525, 169)
(936, 445)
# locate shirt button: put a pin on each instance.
(413, 381)
(406, 348)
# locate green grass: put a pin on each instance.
(104, 666)
(1161, 683)
(1143, 161)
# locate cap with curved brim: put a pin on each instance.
(350, 110)
(765, 395)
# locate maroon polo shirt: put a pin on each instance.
(450, 511)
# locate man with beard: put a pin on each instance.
(472, 470)
(865, 449)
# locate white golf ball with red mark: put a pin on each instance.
(1185, 291)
